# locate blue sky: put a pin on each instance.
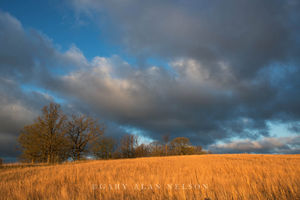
(58, 22)
(221, 73)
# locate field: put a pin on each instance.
(239, 176)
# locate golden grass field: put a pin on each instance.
(238, 176)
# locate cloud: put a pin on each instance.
(183, 101)
(235, 65)
(30, 48)
(246, 35)
(27, 59)
(281, 145)
(16, 110)
(232, 67)
(30, 69)
(73, 57)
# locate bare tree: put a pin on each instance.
(198, 150)
(166, 138)
(142, 150)
(44, 140)
(156, 148)
(103, 147)
(32, 144)
(81, 131)
(181, 146)
(128, 144)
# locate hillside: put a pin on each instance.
(238, 176)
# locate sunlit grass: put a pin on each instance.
(180, 177)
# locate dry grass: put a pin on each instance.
(207, 176)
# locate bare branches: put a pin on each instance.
(81, 131)
(52, 138)
(44, 140)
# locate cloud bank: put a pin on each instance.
(232, 67)
(280, 145)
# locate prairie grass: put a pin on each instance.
(235, 176)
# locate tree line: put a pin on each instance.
(54, 137)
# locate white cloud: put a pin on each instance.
(264, 145)
(75, 57)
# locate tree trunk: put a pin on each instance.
(166, 146)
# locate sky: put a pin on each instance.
(225, 74)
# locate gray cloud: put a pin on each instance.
(28, 81)
(247, 35)
(283, 145)
(233, 67)
(188, 103)
(236, 64)
(26, 60)
(16, 110)
(25, 53)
